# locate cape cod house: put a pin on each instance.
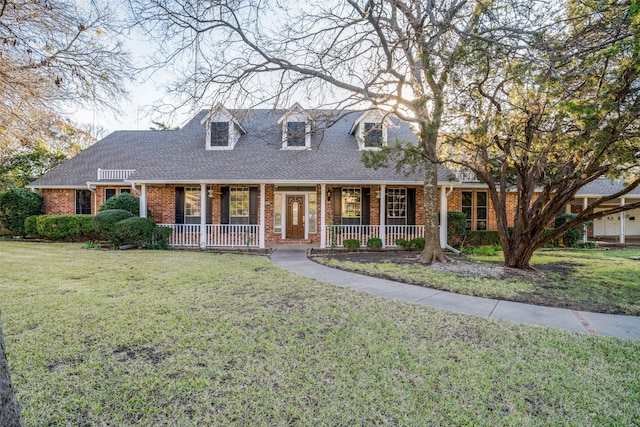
(256, 177)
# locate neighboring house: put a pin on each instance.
(255, 177)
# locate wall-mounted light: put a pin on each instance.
(329, 195)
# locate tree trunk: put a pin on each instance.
(9, 411)
(519, 253)
(432, 251)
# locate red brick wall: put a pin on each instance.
(59, 202)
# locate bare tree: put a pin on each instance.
(392, 54)
(55, 54)
(9, 410)
(548, 112)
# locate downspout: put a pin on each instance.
(446, 244)
(134, 189)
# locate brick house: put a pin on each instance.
(254, 177)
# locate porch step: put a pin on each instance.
(294, 242)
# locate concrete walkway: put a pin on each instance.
(295, 260)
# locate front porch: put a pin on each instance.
(250, 235)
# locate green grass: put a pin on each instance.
(190, 338)
(599, 281)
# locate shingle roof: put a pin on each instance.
(603, 186)
(180, 156)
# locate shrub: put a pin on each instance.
(16, 205)
(105, 221)
(351, 244)
(572, 236)
(456, 228)
(125, 201)
(134, 230)
(31, 225)
(160, 238)
(411, 245)
(374, 243)
(63, 226)
(483, 238)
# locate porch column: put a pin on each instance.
(143, 201)
(203, 215)
(383, 216)
(323, 222)
(443, 217)
(622, 220)
(262, 227)
(567, 209)
(585, 205)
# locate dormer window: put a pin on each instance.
(372, 135)
(296, 129)
(370, 129)
(219, 134)
(223, 130)
(296, 134)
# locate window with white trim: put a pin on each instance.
(83, 202)
(351, 203)
(372, 135)
(296, 134)
(219, 134)
(277, 213)
(109, 193)
(312, 207)
(396, 199)
(192, 202)
(239, 205)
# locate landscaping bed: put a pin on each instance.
(604, 281)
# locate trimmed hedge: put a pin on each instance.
(351, 244)
(483, 238)
(105, 221)
(374, 243)
(135, 230)
(411, 245)
(61, 226)
(124, 201)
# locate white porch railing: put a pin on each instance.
(406, 232)
(223, 235)
(336, 234)
(114, 174)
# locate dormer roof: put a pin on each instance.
(295, 111)
(374, 115)
(220, 113)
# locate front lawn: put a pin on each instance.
(191, 338)
(588, 280)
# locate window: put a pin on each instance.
(192, 202)
(277, 213)
(219, 134)
(296, 134)
(475, 210)
(351, 203)
(396, 199)
(467, 206)
(312, 213)
(373, 134)
(109, 193)
(125, 190)
(239, 205)
(83, 202)
(481, 210)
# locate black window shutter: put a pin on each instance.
(253, 205)
(365, 213)
(179, 205)
(224, 205)
(336, 195)
(411, 206)
(208, 213)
